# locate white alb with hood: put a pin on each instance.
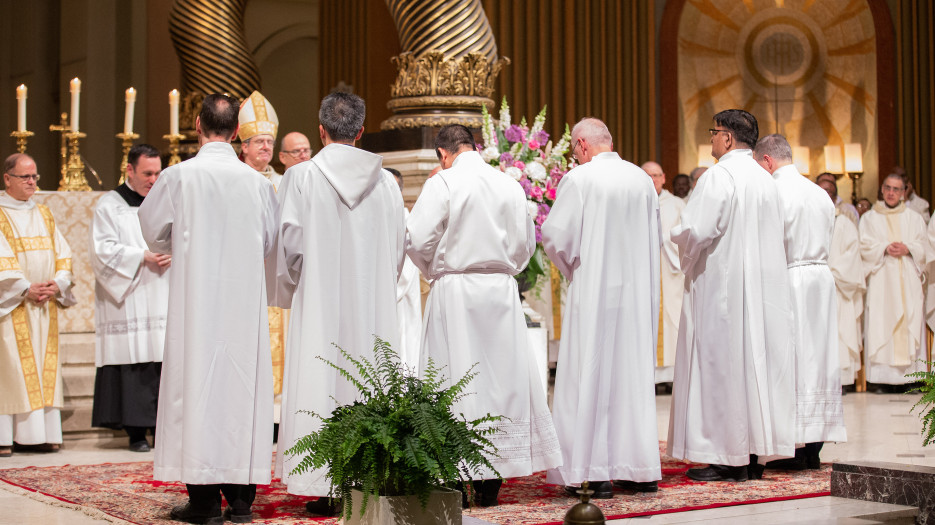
(340, 249)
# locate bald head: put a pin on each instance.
(772, 152)
(654, 170)
(590, 137)
(295, 149)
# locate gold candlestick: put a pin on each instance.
(63, 128)
(73, 178)
(21, 138)
(127, 144)
(855, 185)
(174, 148)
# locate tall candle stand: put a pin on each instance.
(855, 184)
(21, 138)
(174, 139)
(127, 139)
(73, 178)
(63, 128)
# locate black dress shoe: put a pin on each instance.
(490, 489)
(189, 515)
(140, 446)
(799, 462)
(718, 473)
(325, 506)
(637, 486)
(240, 517)
(601, 489)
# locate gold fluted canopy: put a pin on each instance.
(447, 66)
(208, 36)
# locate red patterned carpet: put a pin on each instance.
(126, 492)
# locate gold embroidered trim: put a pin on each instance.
(61, 264)
(26, 358)
(8, 263)
(277, 346)
(50, 366)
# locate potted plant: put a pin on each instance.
(927, 402)
(395, 449)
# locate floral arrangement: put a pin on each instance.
(526, 154)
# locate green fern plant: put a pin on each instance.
(400, 437)
(927, 389)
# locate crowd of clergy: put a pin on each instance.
(220, 283)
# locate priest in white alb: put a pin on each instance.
(408, 303)
(341, 243)
(850, 285)
(672, 281)
(808, 218)
(894, 248)
(734, 390)
(217, 218)
(35, 280)
(603, 235)
(131, 299)
(470, 234)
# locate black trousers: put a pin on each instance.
(206, 499)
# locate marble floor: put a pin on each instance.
(880, 427)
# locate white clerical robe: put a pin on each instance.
(848, 209)
(603, 235)
(216, 216)
(409, 312)
(32, 250)
(893, 316)
(808, 217)
(914, 202)
(673, 287)
(734, 388)
(278, 324)
(130, 299)
(850, 285)
(340, 250)
(470, 234)
(930, 277)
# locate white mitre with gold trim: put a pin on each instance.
(257, 117)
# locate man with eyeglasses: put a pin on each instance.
(295, 149)
(893, 248)
(733, 393)
(848, 209)
(131, 300)
(35, 280)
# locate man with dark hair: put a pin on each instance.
(470, 234)
(341, 243)
(893, 246)
(681, 186)
(131, 296)
(733, 390)
(808, 220)
(846, 208)
(216, 216)
(34, 283)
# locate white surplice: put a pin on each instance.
(216, 216)
(914, 202)
(673, 287)
(893, 315)
(340, 250)
(848, 209)
(603, 235)
(32, 250)
(808, 217)
(734, 388)
(850, 285)
(470, 234)
(130, 299)
(409, 312)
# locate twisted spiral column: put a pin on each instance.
(454, 27)
(208, 36)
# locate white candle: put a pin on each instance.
(128, 116)
(174, 112)
(21, 108)
(853, 158)
(75, 93)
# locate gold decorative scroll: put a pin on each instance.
(448, 65)
(208, 36)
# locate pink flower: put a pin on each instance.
(550, 194)
(519, 165)
(533, 144)
(536, 192)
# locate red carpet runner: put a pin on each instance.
(126, 491)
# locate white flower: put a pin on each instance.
(514, 172)
(504, 114)
(532, 209)
(535, 171)
(490, 153)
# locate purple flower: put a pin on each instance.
(515, 134)
(544, 209)
(527, 185)
(542, 137)
(506, 160)
(538, 233)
